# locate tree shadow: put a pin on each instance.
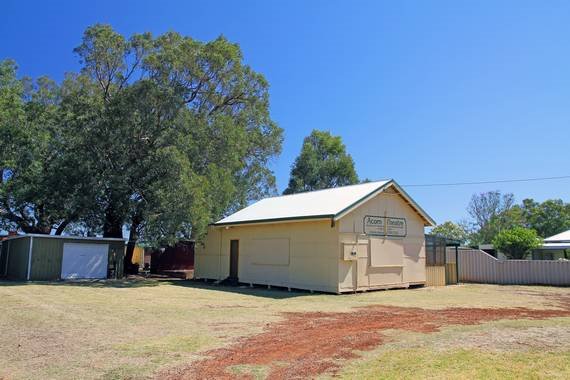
(276, 292)
(241, 289)
(122, 283)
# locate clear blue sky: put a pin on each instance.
(420, 91)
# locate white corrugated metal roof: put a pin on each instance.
(561, 237)
(328, 203)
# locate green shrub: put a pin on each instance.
(517, 242)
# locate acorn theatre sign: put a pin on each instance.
(385, 226)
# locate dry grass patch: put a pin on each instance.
(135, 329)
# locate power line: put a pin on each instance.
(488, 182)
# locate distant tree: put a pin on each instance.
(547, 218)
(490, 214)
(452, 231)
(322, 164)
(517, 242)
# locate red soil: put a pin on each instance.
(307, 344)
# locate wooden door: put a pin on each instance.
(234, 256)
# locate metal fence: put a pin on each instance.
(479, 266)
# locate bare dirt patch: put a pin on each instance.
(308, 344)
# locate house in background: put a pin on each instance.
(554, 247)
(490, 249)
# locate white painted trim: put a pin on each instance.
(401, 192)
(308, 219)
(65, 237)
(30, 257)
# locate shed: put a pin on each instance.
(49, 257)
(359, 237)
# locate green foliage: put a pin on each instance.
(493, 212)
(516, 242)
(34, 192)
(322, 164)
(188, 140)
(164, 134)
(452, 231)
(547, 218)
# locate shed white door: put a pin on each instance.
(84, 260)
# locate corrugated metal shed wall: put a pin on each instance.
(3, 259)
(46, 259)
(18, 258)
(47, 254)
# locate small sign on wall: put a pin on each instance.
(385, 226)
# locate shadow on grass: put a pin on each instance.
(256, 291)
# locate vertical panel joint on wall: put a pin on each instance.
(30, 257)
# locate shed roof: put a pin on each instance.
(68, 237)
(320, 204)
(561, 237)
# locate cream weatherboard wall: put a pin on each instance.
(382, 262)
(320, 255)
(301, 254)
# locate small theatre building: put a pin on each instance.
(360, 237)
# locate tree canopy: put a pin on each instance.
(493, 212)
(451, 231)
(488, 211)
(160, 134)
(323, 163)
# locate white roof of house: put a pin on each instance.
(560, 245)
(321, 204)
(561, 237)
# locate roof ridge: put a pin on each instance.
(328, 188)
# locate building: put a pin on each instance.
(360, 237)
(49, 257)
(174, 260)
(554, 247)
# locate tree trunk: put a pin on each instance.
(131, 268)
(61, 227)
(113, 226)
(36, 230)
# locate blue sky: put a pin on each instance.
(420, 91)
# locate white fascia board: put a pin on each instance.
(64, 237)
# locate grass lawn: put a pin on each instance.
(142, 329)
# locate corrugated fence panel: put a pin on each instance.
(435, 276)
(478, 266)
(451, 273)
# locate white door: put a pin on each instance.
(84, 260)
